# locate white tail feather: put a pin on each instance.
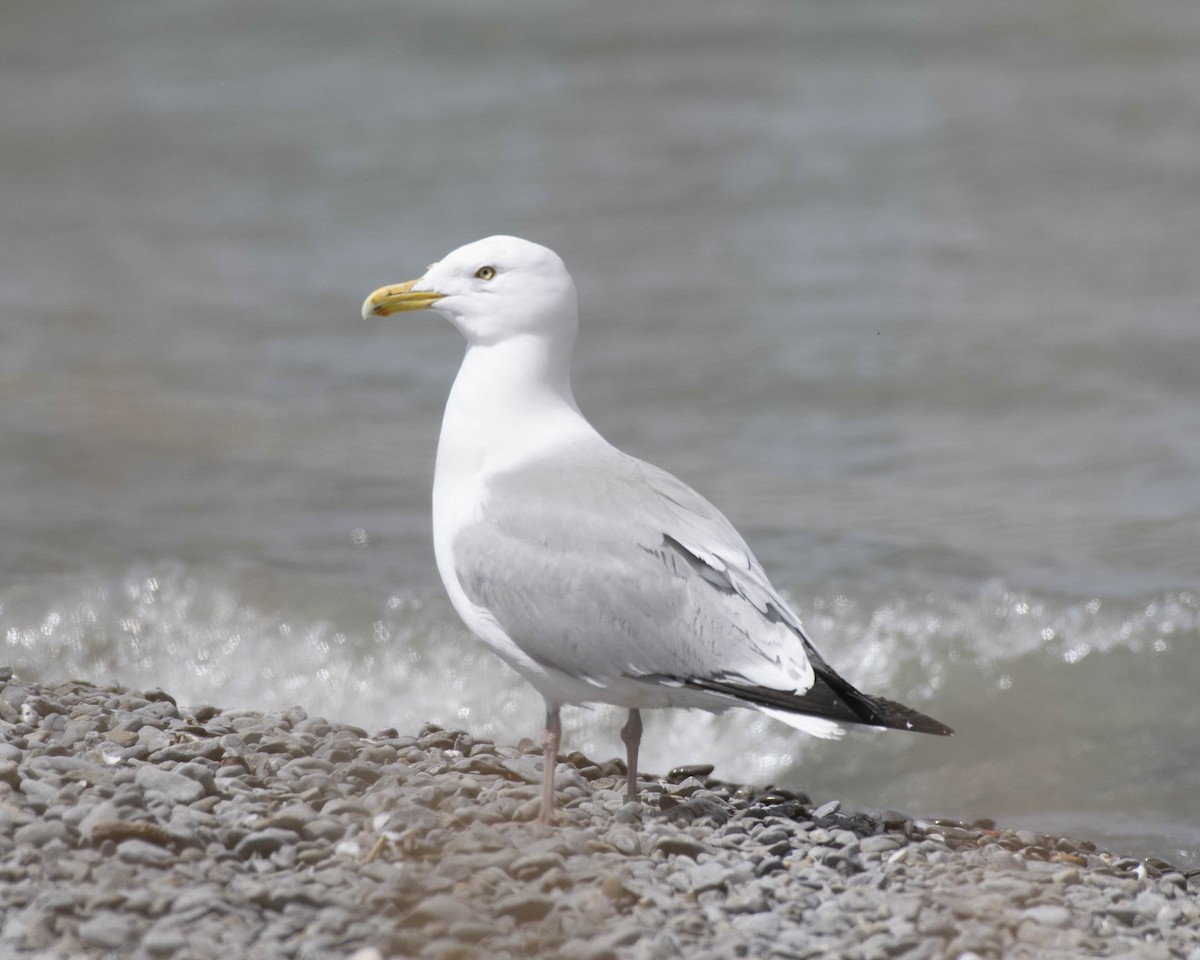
(814, 726)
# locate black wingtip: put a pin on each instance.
(896, 716)
(879, 711)
(830, 697)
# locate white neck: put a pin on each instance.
(510, 400)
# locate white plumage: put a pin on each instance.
(596, 576)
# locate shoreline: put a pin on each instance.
(133, 827)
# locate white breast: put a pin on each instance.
(487, 431)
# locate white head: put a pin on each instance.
(492, 290)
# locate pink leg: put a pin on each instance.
(551, 738)
(631, 734)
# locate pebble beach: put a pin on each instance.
(132, 826)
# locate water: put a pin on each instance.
(909, 289)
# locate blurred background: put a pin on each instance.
(909, 289)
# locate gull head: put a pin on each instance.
(492, 290)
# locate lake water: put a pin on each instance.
(909, 289)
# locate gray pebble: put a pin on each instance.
(534, 865)
(263, 843)
(440, 907)
(711, 875)
(678, 844)
(147, 854)
(844, 838)
(175, 786)
(324, 829)
(878, 844)
(163, 940)
(524, 907)
(1048, 915)
(40, 833)
(42, 791)
(109, 930)
(624, 839)
(320, 842)
(1004, 859)
(201, 774)
(188, 750)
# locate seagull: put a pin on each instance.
(596, 576)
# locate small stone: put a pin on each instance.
(146, 854)
(827, 809)
(1004, 859)
(324, 830)
(1049, 915)
(263, 843)
(708, 876)
(522, 769)
(40, 791)
(524, 908)
(471, 931)
(54, 767)
(40, 833)
(441, 908)
(1037, 934)
(201, 774)
(845, 838)
(679, 844)
(697, 770)
(179, 788)
(118, 830)
(295, 817)
(163, 940)
(623, 839)
(686, 787)
(878, 844)
(768, 866)
(607, 945)
(769, 838)
(612, 887)
(188, 750)
(110, 930)
(534, 865)
(1149, 903)
(39, 706)
(763, 925)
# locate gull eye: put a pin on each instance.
(485, 273)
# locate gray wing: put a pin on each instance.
(603, 566)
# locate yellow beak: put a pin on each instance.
(397, 298)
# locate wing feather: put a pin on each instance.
(603, 566)
(606, 568)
